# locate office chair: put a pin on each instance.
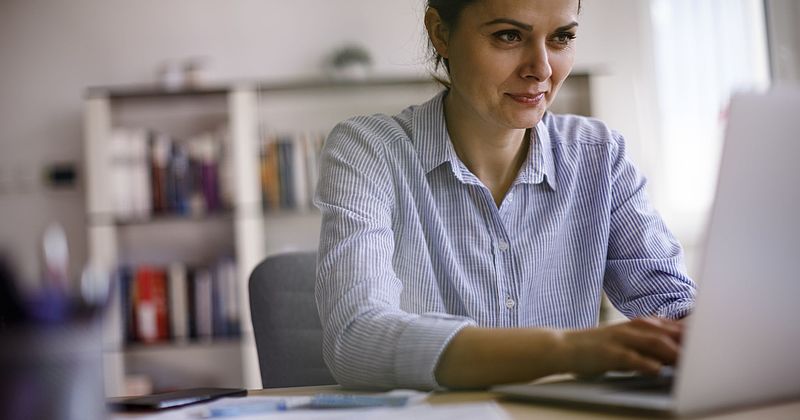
(286, 323)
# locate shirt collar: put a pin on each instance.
(430, 134)
(434, 146)
(540, 165)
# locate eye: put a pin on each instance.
(564, 38)
(508, 36)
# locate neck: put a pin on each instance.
(491, 152)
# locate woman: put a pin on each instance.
(466, 241)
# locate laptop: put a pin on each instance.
(742, 342)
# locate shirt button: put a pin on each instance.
(510, 303)
(503, 245)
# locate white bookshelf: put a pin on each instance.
(111, 241)
(247, 231)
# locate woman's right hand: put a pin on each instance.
(644, 345)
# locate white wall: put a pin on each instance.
(50, 51)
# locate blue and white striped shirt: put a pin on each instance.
(413, 247)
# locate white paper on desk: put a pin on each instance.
(466, 411)
(462, 411)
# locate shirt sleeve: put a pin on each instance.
(368, 340)
(645, 274)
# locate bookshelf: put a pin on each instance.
(243, 116)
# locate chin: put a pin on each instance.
(526, 121)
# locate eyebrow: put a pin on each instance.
(525, 26)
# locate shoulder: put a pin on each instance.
(576, 130)
(375, 130)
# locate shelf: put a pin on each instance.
(315, 84)
(214, 364)
(181, 345)
(174, 218)
(153, 91)
(145, 91)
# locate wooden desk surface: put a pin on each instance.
(520, 410)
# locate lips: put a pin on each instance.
(527, 98)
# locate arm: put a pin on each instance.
(481, 357)
(368, 341)
(645, 274)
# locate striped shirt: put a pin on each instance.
(413, 247)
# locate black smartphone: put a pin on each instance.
(174, 398)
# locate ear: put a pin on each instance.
(438, 31)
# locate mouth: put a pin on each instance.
(530, 99)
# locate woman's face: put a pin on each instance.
(508, 58)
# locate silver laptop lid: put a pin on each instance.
(743, 341)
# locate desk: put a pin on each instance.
(518, 410)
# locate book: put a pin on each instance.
(203, 303)
(228, 321)
(127, 293)
(299, 172)
(121, 173)
(270, 180)
(209, 172)
(311, 152)
(191, 303)
(219, 327)
(289, 170)
(179, 180)
(142, 181)
(151, 305)
(285, 150)
(145, 306)
(153, 173)
(178, 301)
(227, 180)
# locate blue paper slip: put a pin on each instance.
(357, 401)
(246, 407)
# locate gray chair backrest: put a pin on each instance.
(286, 323)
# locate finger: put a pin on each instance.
(627, 359)
(653, 344)
(660, 325)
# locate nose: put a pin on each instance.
(536, 64)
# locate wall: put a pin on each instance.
(50, 51)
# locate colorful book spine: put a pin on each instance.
(159, 160)
(178, 302)
(270, 175)
(151, 305)
(154, 173)
(289, 170)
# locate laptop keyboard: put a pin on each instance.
(660, 384)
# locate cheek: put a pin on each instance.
(481, 66)
(476, 72)
(561, 65)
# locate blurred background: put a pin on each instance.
(177, 139)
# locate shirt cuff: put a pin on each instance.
(676, 310)
(421, 345)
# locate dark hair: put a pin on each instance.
(449, 12)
